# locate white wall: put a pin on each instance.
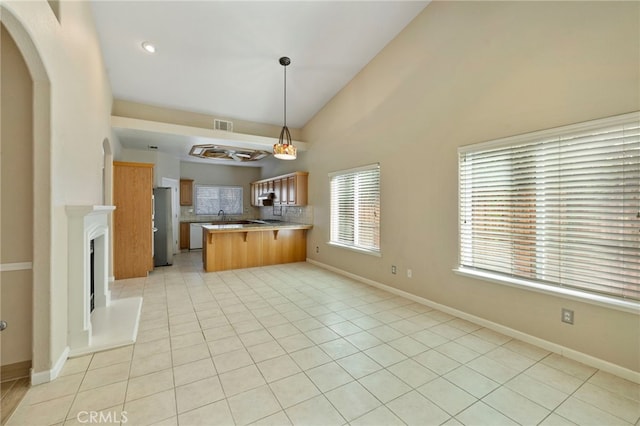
(460, 73)
(164, 165)
(209, 174)
(274, 167)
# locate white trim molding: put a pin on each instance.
(18, 266)
(592, 361)
(49, 375)
(629, 306)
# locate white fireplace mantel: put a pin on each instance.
(112, 323)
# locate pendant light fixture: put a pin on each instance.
(284, 149)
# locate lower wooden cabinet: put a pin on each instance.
(284, 246)
(185, 236)
(234, 250)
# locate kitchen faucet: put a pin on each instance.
(224, 217)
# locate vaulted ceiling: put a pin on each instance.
(221, 57)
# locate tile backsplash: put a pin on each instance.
(187, 214)
(302, 214)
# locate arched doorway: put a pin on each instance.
(40, 199)
(16, 210)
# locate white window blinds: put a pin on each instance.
(355, 208)
(560, 206)
(210, 199)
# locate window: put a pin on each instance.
(355, 208)
(559, 208)
(210, 199)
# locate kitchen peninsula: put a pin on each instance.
(247, 244)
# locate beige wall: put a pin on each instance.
(460, 73)
(71, 119)
(16, 201)
(167, 115)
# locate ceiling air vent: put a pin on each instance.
(225, 125)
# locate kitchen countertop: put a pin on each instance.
(256, 225)
(200, 221)
(218, 221)
(250, 244)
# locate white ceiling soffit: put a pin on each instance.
(221, 57)
(177, 140)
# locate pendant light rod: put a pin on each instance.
(285, 62)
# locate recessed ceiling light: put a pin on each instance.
(149, 47)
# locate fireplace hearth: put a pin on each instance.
(95, 322)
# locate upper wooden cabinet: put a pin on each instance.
(289, 189)
(296, 188)
(186, 192)
(132, 222)
(254, 194)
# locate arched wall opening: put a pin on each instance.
(107, 194)
(42, 356)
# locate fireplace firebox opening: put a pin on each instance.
(92, 276)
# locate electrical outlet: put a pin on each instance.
(317, 249)
(409, 273)
(567, 316)
(393, 269)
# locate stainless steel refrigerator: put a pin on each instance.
(163, 236)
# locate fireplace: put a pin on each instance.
(95, 322)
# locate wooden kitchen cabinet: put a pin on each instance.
(285, 246)
(283, 197)
(251, 247)
(254, 195)
(294, 189)
(186, 192)
(289, 189)
(185, 236)
(277, 190)
(132, 219)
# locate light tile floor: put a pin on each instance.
(296, 344)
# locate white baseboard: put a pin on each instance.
(49, 375)
(592, 361)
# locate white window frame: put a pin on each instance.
(334, 239)
(199, 209)
(539, 284)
